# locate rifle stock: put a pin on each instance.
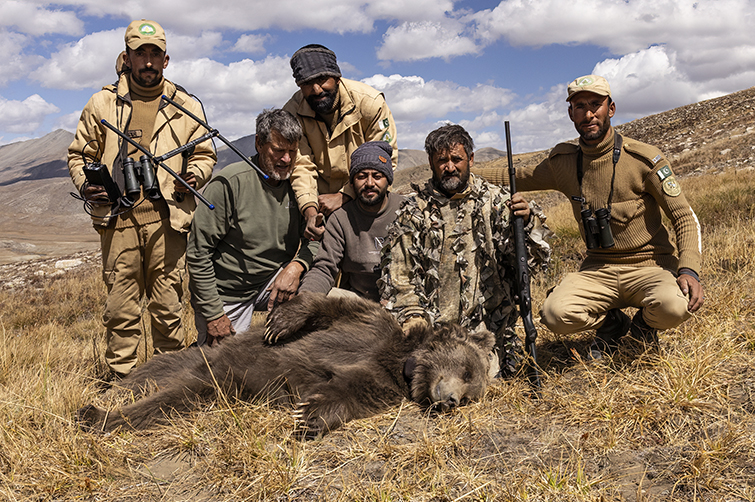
(523, 275)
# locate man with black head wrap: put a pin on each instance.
(337, 115)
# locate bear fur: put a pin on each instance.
(334, 359)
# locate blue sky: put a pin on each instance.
(476, 63)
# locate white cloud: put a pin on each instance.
(69, 121)
(87, 63)
(250, 44)
(411, 98)
(622, 26)
(426, 39)
(36, 20)
(23, 117)
(183, 47)
(234, 94)
(335, 16)
(15, 64)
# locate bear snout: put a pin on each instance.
(448, 393)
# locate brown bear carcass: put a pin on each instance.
(334, 359)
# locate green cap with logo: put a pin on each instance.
(143, 32)
(589, 83)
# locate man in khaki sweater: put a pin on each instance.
(144, 238)
(627, 184)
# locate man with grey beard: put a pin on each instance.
(451, 256)
(249, 252)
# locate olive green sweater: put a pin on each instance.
(235, 249)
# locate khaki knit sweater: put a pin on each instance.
(145, 102)
(644, 187)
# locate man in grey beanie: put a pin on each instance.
(337, 115)
(355, 233)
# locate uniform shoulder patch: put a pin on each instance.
(671, 186)
(664, 172)
(384, 123)
(563, 149)
(650, 153)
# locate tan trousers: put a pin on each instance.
(143, 260)
(581, 300)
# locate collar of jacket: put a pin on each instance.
(601, 148)
(348, 112)
(166, 111)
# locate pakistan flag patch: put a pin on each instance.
(664, 172)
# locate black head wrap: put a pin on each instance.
(312, 61)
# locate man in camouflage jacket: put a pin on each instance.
(450, 256)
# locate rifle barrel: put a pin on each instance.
(523, 275)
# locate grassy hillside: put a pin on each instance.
(671, 424)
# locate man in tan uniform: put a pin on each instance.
(618, 188)
(143, 239)
(337, 115)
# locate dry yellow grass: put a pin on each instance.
(672, 424)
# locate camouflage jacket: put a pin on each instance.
(453, 259)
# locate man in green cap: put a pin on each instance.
(143, 236)
(618, 189)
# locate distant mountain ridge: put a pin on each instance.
(38, 217)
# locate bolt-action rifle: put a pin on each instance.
(524, 298)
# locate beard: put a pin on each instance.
(376, 200)
(268, 168)
(452, 184)
(138, 78)
(324, 102)
(600, 133)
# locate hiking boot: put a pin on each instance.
(608, 334)
(641, 332)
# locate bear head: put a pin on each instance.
(450, 367)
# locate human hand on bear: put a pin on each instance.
(218, 329)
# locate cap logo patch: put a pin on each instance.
(382, 159)
(147, 30)
(584, 81)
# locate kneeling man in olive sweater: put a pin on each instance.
(249, 253)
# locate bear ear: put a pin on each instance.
(449, 331)
(483, 339)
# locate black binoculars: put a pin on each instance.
(136, 176)
(597, 228)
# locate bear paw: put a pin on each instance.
(90, 418)
(308, 424)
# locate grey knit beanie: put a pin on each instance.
(372, 155)
(312, 61)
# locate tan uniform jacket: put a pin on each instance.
(172, 129)
(322, 165)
